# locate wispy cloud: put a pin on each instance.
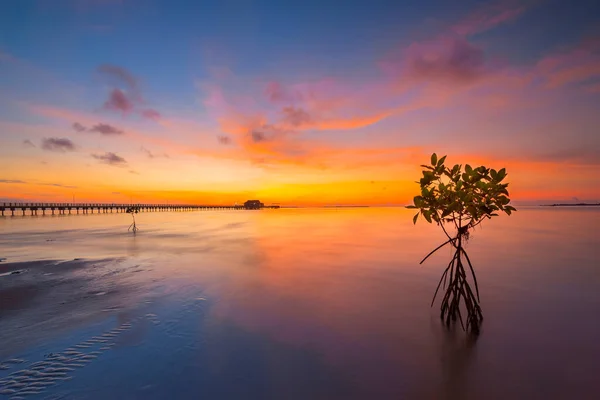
(151, 114)
(150, 154)
(28, 143)
(18, 181)
(490, 15)
(60, 145)
(119, 76)
(572, 66)
(12, 181)
(60, 185)
(110, 159)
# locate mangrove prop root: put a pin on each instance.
(132, 227)
(458, 292)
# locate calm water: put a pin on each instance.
(323, 303)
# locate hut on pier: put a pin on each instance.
(253, 205)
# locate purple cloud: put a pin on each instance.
(106, 129)
(224, 140)
(118, 101)
(445, 59)
(126, 96)
(277, 93)
(110, 159)
(296, 116)
(60, 145)
(258, 136)
(78, 127)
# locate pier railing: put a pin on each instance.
(88, 208)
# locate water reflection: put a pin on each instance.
(335, 301)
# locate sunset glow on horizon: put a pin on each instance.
(303, 104)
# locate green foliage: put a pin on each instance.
(464, 197)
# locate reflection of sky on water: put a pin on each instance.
(326, 303)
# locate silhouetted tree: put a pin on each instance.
(458, 201)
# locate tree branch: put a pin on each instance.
(437, 248)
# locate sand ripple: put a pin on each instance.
(58, 367)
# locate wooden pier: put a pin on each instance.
(103, 208)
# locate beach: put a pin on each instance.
(294, 304)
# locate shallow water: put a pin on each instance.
(318, 303)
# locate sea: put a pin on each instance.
(302, 303)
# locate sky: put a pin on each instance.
(295, 103)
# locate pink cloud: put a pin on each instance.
(274, 131)
(574, 74)
(77, 127)
(118, 101)
(449, 59)
(126, 98)
(278, 93)
(573, 66)
(488, 17)
(151, 114)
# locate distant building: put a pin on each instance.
(253, 205)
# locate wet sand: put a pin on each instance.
(41, 299)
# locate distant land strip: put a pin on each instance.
(343, 206)
(572, 205)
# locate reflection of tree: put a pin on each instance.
(132, 211)
(456, 359)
